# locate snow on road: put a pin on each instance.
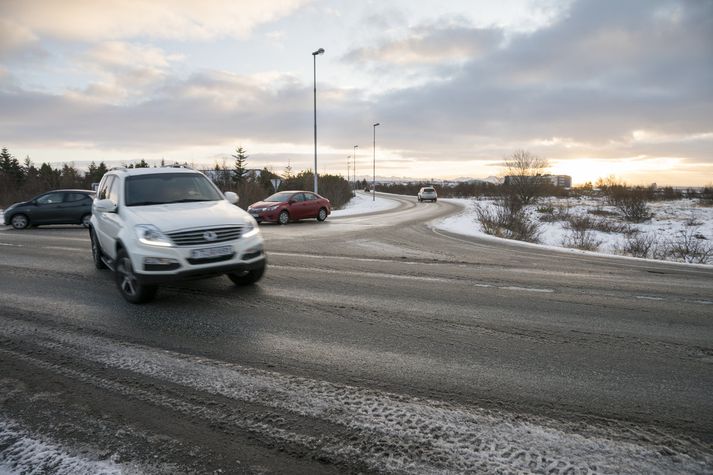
(22, 452)
(363, 203)
(384, 431)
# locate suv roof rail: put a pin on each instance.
(117, 169)
(179, 165)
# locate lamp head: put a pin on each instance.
(376, 124)
(319, 51)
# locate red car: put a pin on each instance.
(286, 206)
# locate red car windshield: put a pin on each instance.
(280, 197)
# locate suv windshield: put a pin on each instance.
(165, 188)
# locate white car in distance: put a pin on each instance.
(158, 225)
(427, 193)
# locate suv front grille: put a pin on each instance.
(203, 236)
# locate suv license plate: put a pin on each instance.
(211, 252)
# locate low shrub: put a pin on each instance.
(504, 221)
(689, 245)
(551, 214)
(640, 245)
(581, 235)
(631, 202)
(581, 223)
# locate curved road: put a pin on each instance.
(373, 344)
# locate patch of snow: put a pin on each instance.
(22, 452)
(363, 203)
(669, 220)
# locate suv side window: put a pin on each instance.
(104, 187)
(113, 193)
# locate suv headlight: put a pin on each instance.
(152, 236)
(250, 229)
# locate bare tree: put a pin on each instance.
(524, 178)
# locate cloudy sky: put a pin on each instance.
(599, 87)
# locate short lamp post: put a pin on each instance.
(373, 179)
(314, 57)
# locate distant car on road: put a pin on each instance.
(427, 193)
(286, 206)
(53, 207)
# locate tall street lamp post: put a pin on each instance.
(314, 57)
(354, 164)
(373, 179)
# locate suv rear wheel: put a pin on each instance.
(96, 251)
(127, 282)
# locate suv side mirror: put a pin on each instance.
(231, 197)
(105, 206)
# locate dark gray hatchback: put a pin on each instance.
(53, 207)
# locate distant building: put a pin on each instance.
(560, 181)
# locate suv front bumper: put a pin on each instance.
(202, 273)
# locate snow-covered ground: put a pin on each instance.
(672, 221)
(363, 203)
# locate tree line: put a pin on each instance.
(22, 181)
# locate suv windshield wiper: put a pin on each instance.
(146, 203)
(187, 200)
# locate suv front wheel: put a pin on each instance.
(247, 277)
(128, 284)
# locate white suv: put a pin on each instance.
(427, 193)
(157, 225)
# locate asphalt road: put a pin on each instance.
(373, 344)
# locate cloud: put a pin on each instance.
(431, 45)
(605, 79)
(600, 72)
(17, 40)
(208, 107)
(124, 71)
(89, 20)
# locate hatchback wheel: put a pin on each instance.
(284, 217)
(20, 221)
(322, 214)
(247, 277)
(128, 284)
(85, 220)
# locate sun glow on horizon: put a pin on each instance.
(641, 170)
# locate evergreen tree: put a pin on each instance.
(49, 177)
(240, 165)
(70, 177)
(10, 169)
